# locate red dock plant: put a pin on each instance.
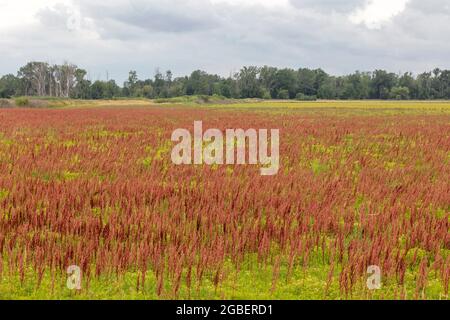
(97, 188)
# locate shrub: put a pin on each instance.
(164, 100)
(4, 103)
(203, 99)
(266, 95)
(194, 99)
(22, 101)
(283, 94)
(304, 97)
(400, 93)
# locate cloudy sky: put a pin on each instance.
(220, 36)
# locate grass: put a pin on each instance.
(253, 280)
(332, 105)
(219, 102)
(198, 100)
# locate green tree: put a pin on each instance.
(286, 80)
(82, 88)
(328, 89)
(200, 83)
(9, 86)
(307, 82)
(130, 85)
(407, 80)
(424, 83)
(400, 93)
(268, 79)
(248, 82)
(382, 84)
(283, 94)
(110, 90)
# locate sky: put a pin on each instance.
(109, 38)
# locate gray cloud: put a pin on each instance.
(185, 35)
(152, 15)
(328, 5)
(430, 7)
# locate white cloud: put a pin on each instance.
(377, 12)
(17, 13)
(265, 3)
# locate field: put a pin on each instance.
(360, 184)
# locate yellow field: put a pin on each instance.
(441, 106)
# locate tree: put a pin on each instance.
(9, 86)
(130, 85)
(356, 86)
(67, 80)
(400, 93)
(147, 91)
(445, 80)
(328, 89)
(440, 84)
(178, 87)
(228, 88)
(198, 84)
(82, 87)
(41, 79)
(307, 82)
(320, 78)
(168, 78)
(283, 94)
(248, 82)
(267, 76)
(27, 74)
(159, 84)
(97, 90)
(424, 83)
(286, 80)
(407, 81)
(382, 83)
(111, 90)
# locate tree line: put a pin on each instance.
(69, 81)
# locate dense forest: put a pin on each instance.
(69, 81)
